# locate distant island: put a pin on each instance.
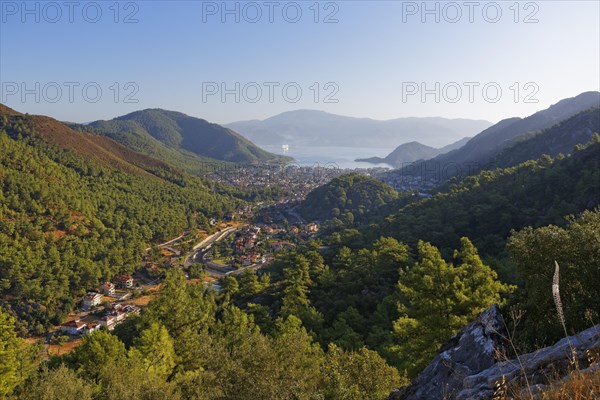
(413, 151)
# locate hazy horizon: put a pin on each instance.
(290, 111)
(244, 60)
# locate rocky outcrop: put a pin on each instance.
(549, 363)
(469, 352)
(469, 366)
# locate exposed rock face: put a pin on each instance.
(467, 366)
(467, 353)
(540, 366)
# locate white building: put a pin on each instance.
(73, 328)
(90, 300)
(107, 289)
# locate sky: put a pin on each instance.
(230, 61)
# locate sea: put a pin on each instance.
(329, 156)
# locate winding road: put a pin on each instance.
(213, 268)
(197, 255)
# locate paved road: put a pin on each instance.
(178, 238)
(198, 250)
(213, 268)
(213, 238)
(239, 271)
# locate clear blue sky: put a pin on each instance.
(372, 54)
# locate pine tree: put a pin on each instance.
(439, 298)
(9, 349)
(156, 348)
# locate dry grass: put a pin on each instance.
(141, 301)
(65, 348)
(577, 385)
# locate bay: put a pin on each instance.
(331, 156)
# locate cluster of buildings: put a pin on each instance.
(245, 246)
(255, 243)
(92, 299)
(405, 183)
(297, 180)
(117, 314)
(112, 317)
(305, 230)
(279, 245)
(78, 327)
(274, 238)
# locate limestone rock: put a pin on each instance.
(468, 368)
(469, 352)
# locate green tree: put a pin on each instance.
(295, 299)
(97, 350)
(481, 285)
(576, 248)
(435, 301)
(9, 354)
(130, 380)
(249, 286)
(229, 286)
(187, 311)
(197, 271)
(155, 252)
(360, 375)
(391, 256)
(156, 348)
(181, 306)
(61, 383)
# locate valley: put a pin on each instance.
(327, 249)
(325, 200)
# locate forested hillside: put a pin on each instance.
(346, 198)
(403, 288)
(413, 151)
(487, 206)
(482, 149)
(153, 248)
(178, 138)
(67, 222)
(99, 149)
(561, 138)
(194, 344)
(349, 316)
(256, 339)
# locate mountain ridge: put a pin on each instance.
(100, 149)
(319, 128)
(153, 129)
(558, 139)
(482, 148)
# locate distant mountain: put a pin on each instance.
(318, 128)
(454, 146)
(173, 136)
(484, 147)
(413, 151)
